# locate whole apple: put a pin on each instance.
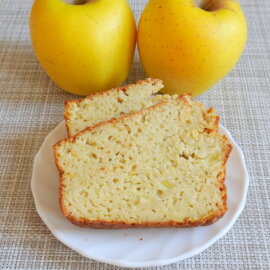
(191, 45)
(84, 46)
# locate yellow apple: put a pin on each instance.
(191, 45)
(84, 46)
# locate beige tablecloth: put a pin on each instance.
(31, 105)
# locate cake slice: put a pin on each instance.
(82, 113)
(159, 167)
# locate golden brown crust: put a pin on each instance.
(103, 224)
(217, 122)
(223, 188)
(66, 122)
(211, 110)
(108, 92)
(118, 89)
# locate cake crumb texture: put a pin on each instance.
(163, 166)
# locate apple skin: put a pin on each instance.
(84, 48)
(187, 47)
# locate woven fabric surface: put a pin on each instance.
(31, 105)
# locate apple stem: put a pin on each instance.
(209, 5)
(78, 2)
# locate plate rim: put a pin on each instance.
(149, 263)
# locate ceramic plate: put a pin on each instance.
(132, 247)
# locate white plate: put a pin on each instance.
(132, 247)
